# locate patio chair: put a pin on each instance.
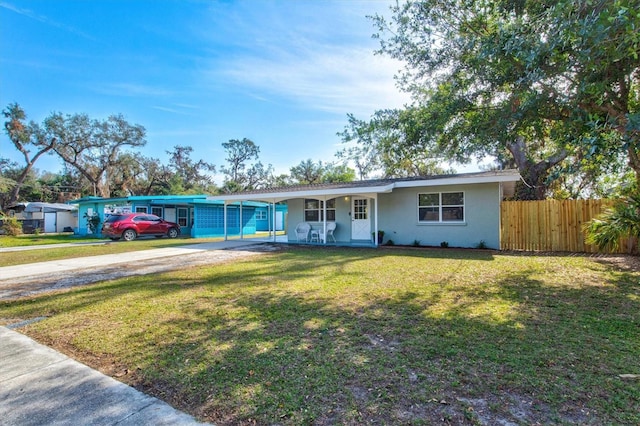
(302, 231)
(331, 226)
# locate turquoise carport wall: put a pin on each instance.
(209, 219)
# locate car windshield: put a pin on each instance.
(115, 218)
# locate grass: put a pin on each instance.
(33, 239)
(357, 336)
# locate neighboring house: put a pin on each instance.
(196, 214)
(462, 210)
(45, 217)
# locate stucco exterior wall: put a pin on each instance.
(398, 217)
(295, 215)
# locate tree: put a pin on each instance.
(598, 44)
(336, 173)
(189, 176)
(526, 79)
(93, 147)
(25, 137)
(154, 177)
(392, 142)
(240, 175)
(309, 172)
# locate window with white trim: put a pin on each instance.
(183, 215)
(141, 209)
(261, 215)
(314, 210)
(157, 211)
(441, 207)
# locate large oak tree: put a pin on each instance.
(536, 84)
(30, 140)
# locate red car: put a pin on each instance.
(129, 226)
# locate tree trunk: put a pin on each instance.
(534, 175)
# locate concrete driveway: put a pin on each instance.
(29, 279)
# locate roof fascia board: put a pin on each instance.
(458, 181)
(287, 195)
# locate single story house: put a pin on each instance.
(45, 217)
(462, 210)
(197, 215)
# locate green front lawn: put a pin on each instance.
(33, 239)
(357, 336)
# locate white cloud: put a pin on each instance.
(339, 80)
(44, 19)
(132, 89)
(322, 60)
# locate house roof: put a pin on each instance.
(369, 187)
(37, 206)
(155, 199)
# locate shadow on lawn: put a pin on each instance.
(242, 347)
(553, 357)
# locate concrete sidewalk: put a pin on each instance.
(41, 386)
(87, 263)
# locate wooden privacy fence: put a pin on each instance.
(549, 225)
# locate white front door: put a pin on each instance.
(360, 222)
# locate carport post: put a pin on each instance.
(375, 219)
(241, 227)
(225, 220)
(324, 220)
(274, 221)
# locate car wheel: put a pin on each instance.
(129, 235)
(172, 233)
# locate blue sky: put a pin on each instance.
(281, 73)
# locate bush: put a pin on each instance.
(11, 226)
(444, 244)
(93, 222)
(416, 243)
(620, 221)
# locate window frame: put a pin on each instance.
(319, 210)
(261, 215)
(182, 220)
(442, 208)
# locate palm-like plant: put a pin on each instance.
(620, 221)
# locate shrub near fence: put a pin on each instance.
(549, 225)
